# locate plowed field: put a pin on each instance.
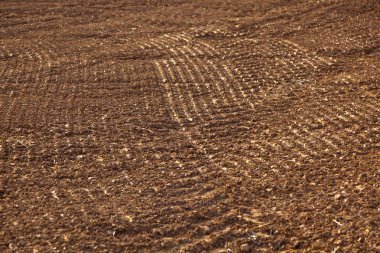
(190, 126)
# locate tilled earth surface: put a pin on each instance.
(190, 126)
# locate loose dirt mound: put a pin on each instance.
(190, 126)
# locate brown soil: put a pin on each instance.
(190, 126)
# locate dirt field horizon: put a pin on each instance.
(190, 126)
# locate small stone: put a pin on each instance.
(360, 187)
(245, 247)
(166, 242)
(157, 231)
(205, 229)
(297, 244)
